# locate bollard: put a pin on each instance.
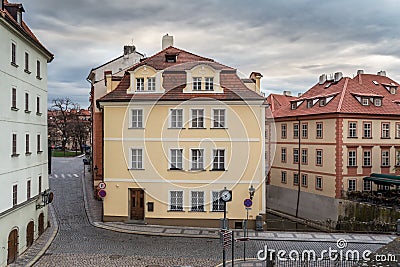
(398, 227)
(259, 223)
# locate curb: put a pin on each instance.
(54, 221)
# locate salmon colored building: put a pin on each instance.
(328, 139)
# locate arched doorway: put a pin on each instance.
(12, 246)
(30, 230)
(41, 224)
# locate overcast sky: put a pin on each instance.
(291, 42)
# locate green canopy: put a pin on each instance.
(383, 179)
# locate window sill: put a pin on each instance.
(197, 170)
(131, 169)
(39, 113)
(197, 128)
(319, 189)
(27, 71)
(217, 211)
(176, 211)
(14, 155)
(367, 138)
(136, 128)
(14, 64)
(197, 211)
(28, 111)
(39, 151)
(305, 186)
(385, 137)
(14, 108)
(219, 128)
(352, 137)
(176, 128)
(175, 169)
(218, 170)
(28, 153)
(39, 78)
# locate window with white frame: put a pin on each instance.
(176, 159)
(351, 185)
(176, 200)
(367, 129)
(296, 130)
(397, 157)
(151, 84)
(176, 118)
(283, 177)
(378, 102)
(217, 203)
(295, 178)
(196, 83)
(318, 182)
(318, 157)
(283, 154)
(319, 130)
(136, 158)
(385, 130)
(139, 84)
(284, 131)
(219, 118)
(197, 118)
(365, 101)
(209, 83)
(367, 185)
(352, 129)
(197, 159)
(15, 195)
(304, 130)
(295, 155)
(367, 158)
(352, 156)
(304, 180)
(385, 158)
(137, 118)
(397, 129)
(218, 159)
(304, 156)
(197, 200)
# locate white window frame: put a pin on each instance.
(397, 155)
(367, 129)
(196, 82)
(283, 154)
(197, 165)
(351, 185)
(304, 180)
(385, 158)
(378, 102)
(176, 203)
(151, 84)
(195, 122)
(296, 174)
(367, 185)
(198, 201)
(319, 157)
(397, 129)
(215, 197)
(385, 131)
(352, 129)
(367, 158)
(283, 177)
(219, 121)
(177, 165)
(140, 164)
(139, 84)
(319, 130)
(209, 83)
(218, 162)
(352, 159)
(365, 101)
(318, 185)
(174, 118)
(137, 124)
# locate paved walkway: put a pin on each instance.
(94, 210)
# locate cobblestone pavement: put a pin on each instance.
(78, 243)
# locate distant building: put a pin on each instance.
(178, 128)
(328, 139)
(23, 123)
(97, 77)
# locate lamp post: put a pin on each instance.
(252, 190)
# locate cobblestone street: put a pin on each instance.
(78, 243)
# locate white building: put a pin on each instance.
(23, 135)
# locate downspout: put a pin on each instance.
(298, 168)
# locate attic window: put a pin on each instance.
(19, 17)
(365, 101)
(170, 58)
(393, 90)
(309, 103)
(375, 82)
(378, 102)
(327, 86)
(293, 105)
(322, 102)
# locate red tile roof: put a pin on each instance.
(344, 93)
(23, 28)
(277, 101)
(174, 80)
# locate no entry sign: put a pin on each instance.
(248, 202)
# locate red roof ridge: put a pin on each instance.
(343, 94)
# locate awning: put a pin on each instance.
(383, 179)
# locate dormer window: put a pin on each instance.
(19, 17)
(378, 102)
(309, 103)
(393, 90)
(209, 86)
(151, 84)
(293, 105)
(139, 84)
(170, 58)
(365, 101)
(196, 84)
(322, 102)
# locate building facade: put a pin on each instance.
(330, 138)
(23, 120)
(97, 78)
(178, 129)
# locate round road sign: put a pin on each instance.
(247, 202)
(102, 193)
(101, 185)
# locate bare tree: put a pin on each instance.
(80, 128)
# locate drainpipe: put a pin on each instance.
(298, 168)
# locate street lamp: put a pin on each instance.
(251, 191)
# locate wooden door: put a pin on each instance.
(137, 204)
(12, 246)
(30, 230)
(41, 224)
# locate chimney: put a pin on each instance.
(338, 76)
(256, 77)
(129, 49)
(167, 41)
(287, 93)
(322, 79)
(382, 73)
(360, 72)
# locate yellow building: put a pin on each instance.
(178, 128)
